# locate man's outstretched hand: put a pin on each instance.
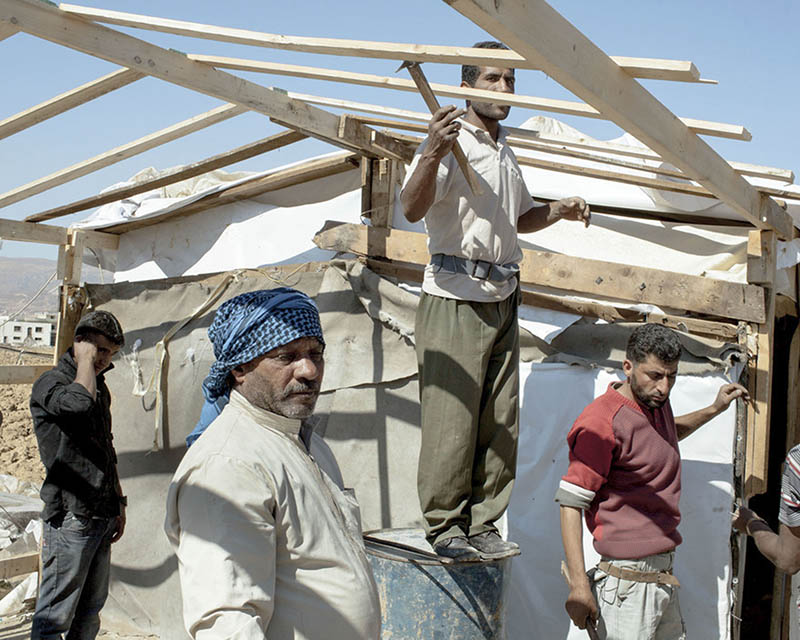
(728, 393)
(573, 209)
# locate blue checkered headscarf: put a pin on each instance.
(246, 327)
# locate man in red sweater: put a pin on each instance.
(625, 475)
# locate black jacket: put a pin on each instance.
(74, 435)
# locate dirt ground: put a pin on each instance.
(19, 628)
(19, 456)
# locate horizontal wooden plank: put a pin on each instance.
(616, 176)
(517, 134)
(32, 232)
(654, 68)
(123, 152)
(580, 275)
(658, 68)
(606, 311)
(182, 173)
(22, 374)
(99, 239)
(600, 174)
(568, 107)
(51, 234)
(67, 100)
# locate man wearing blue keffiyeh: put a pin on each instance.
(246, 327)
(268, 541)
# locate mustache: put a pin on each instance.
(308, 386)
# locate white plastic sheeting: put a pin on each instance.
(703, 560)
(278, 227)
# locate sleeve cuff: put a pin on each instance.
(571, 495)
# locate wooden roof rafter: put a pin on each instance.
(123, 152)
(520, 134)
(57, 26)
(682, 185)
(171, 177)
(649, 68)
(544, 37)
(568, 107)
(67, 100)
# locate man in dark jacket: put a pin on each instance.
(84, 510)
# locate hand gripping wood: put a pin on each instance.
(433, 105)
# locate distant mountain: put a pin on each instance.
(21, 278)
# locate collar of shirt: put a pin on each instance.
(481, 135)
(289, 426)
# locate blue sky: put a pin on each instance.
(751, 49)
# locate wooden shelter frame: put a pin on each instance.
(539, 38)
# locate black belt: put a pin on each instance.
(480, 269)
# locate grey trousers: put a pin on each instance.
(468, 357)
(76, 561)
(637, 610)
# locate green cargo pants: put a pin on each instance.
(468, 356)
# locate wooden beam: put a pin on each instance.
(49, 23)
(541, 35)
(659, 69)
(760, 366)
(653, 68)
(568, 107)
(22, 374)
(793, 392)
(718, 298)
(31, 232)
(67, 100)
(22, 564)
(7, 30)
(601, 174)
(123, 152)
(176, 175)
(319, 168)
(517, 135)
(380, 180)
(51, 234)
(761, 257)
(605, 311)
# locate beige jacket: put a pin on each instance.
(268, 543)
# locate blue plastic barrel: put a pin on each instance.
(425, 597)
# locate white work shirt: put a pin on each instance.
(476, 227)
(268, 543)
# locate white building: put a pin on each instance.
(37, 331)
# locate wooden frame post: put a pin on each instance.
(71, 295)
(761, 265)
(380, 178)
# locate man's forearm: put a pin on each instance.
(537, 218)
(572, 539)
(689, 423)
(86, 377)
(420, 190)
(781, 549)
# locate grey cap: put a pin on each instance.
(102, 322)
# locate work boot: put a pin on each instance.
(458, 548)
(492, 547)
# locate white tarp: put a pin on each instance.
(702, 562)
(278, 227)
